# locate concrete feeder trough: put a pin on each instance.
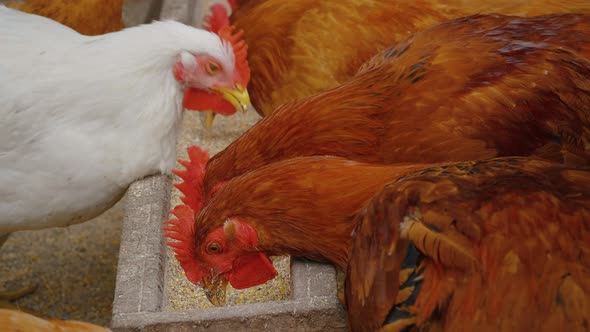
(143, 296)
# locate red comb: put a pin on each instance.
(218, 18)
(240, 51)
(182, 229)
(219, 23)
(192, 177)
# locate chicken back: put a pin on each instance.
(306, 47)
(476, 87)
(492, 245)
(88, 17)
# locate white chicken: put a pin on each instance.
(82, 117)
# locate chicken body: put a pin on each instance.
(472, 88)
(283, 202)
(504, 241)
(495, 245)
(18, 321)
(291, 196)
(306, 47)
(88, 17)
(83, 117)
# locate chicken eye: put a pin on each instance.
(212, 68)
(214, 248)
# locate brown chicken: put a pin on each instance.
(88, 17)
(301, 48)
(498, 245)
(289, 196)
(526, 268)
(472, 88)
(18, 321)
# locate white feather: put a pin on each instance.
(82, 117)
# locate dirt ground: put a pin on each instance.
(73, 267)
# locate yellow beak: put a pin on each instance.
(238, 96)
(215, 289)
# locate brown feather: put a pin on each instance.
(287, 202)
(404, 294)
(473, 88)
(18, 321)
(302, 48)
(88, 17)
(441, 248)
(529, 242)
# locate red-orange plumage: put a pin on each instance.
(289, 196)
(502, 245)
(306, 47)
(476, 87)
(88, 17)
(489, 227)
(18, 321)
(293, 199)
(427, 99)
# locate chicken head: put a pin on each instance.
(215, 84)
(227, 254)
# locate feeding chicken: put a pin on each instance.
(512, 227)
(497, 245)
(88, 17)
(305, 47)
(276, 208)
(83, 117)
(18, 321)
(472, 88)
